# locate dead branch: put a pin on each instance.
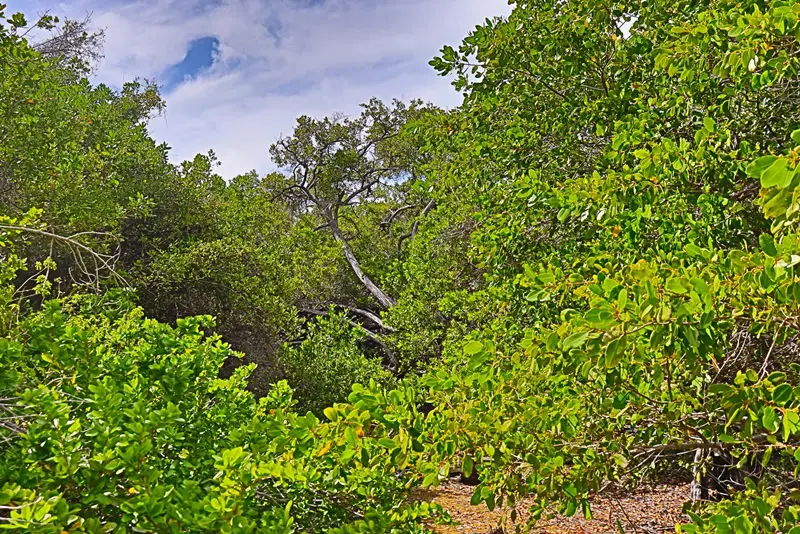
(415, 228)
(93, 265)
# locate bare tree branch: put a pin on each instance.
(394, 213)
(383, 299)
(94, 266)
(415, 228)
(73, 41)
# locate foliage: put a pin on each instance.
(115, 422)
(324, 366)
(594, 259)
(80, 153)
(649, 312)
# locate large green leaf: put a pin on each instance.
(779, 174)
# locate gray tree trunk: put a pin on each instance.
(383, 299)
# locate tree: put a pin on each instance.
(633, 196)
(337, 163)
(72, 43)
(110, 420)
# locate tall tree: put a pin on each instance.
(337, 162)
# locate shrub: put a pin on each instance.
(326, 364)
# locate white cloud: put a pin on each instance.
(278, 59)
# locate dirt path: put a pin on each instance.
(653, 510)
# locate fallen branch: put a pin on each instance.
(679, 448)
(367, 315)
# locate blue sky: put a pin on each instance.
(236, 73)
(200, 56)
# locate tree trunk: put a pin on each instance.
(383, 299)
(699, 487)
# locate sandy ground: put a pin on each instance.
(651, 510)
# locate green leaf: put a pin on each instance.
(476, 499)
(477, 360)
(430, 479)
(387, 443)
(782, 395)
(575, 340)
(718, 389)
(546, 278)
(675, 285)
(599, 317)
(777, 377)
(757, 168)
(529, 272)
(350, 436)
(769, 419)
(690, 333)
(762, 508)
(796, 137)
(466, 466)
(795, 291)
(614, 352)
(586, 508)
(489, 499)
(473, 347)
(622, 299)
(700, 286)
(768, 245)
(694, 250)
(779, 174)
(791, 424)
(552, 342)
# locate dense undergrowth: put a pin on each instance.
(584, 276)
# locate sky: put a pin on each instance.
(236, 73)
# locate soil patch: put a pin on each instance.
(648, 510)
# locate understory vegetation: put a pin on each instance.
(587, 276)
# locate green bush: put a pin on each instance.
(325, 365)
(110, 421)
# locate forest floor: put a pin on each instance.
(649, 510)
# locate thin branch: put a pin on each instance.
(763, 371)
(415, 228)
(679, 448)
(101, 262)
(364, 188)
(394, 213)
